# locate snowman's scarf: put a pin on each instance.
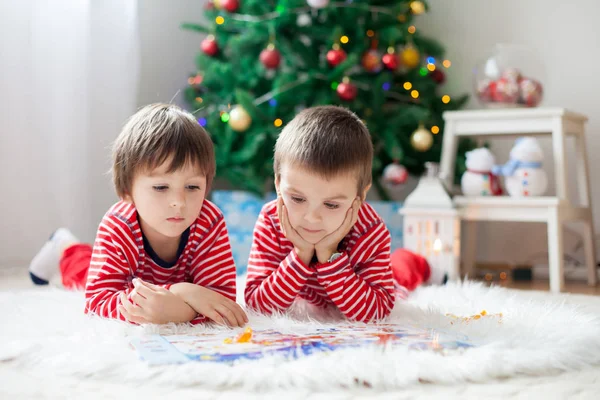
(511, 166)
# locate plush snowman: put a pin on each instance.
(479, 180)
(524, 176)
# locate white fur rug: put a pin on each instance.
(45, 330)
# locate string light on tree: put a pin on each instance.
(278, 122)
(318, 3)
(220, 20)
(407, 85)
(417, 7)
(239, 119)
(209, 46)
(445, 99)
(446, 63)
(270, 57)
(435, 129)
(421, 139)
(412, 29)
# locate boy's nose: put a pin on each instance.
(312, 217)
(178, 200)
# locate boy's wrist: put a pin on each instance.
(304, 255)
(324, 255)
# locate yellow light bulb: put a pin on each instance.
(431, 67)
(414, 94)
(445, 99)
(435, 129)
(407, 85)
(344, 39)
(278, 122)
(412, 29)
(447, 63)
(220, 20)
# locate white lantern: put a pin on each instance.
(431, 225)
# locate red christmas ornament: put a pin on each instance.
(395, 174)
(371, 61)
(438, 76)
(347, 91)
(230, 5)
(209, 46)
(335, 56)
(270, 57)
(391, 61)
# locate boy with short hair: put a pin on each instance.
(162, 253)
(320, 240)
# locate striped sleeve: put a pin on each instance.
(363, 292)
(275, 277)
(108, 275)
(213, 266)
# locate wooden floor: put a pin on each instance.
(570, 286)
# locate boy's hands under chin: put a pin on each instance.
(329, 244)
(304, 249)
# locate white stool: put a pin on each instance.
(553, 210)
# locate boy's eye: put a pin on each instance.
(193, 187)
(332, 206)
(160, 188)
(297, 199)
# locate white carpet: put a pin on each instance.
(46, 331)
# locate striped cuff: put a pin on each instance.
(294, 261)
(332, 269)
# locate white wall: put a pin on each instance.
(564, 34)
(168, 52)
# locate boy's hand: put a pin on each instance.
(304, 249)
(211, 304)
(154, 304)
(329, 244)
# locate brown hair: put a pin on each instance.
(327, 140)
(154, 134)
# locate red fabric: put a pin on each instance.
(409, 269)
(74, 266)
(495, 187)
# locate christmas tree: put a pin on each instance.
(263, 61)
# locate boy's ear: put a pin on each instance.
(128, 199)
(364, 193)
(277, 185)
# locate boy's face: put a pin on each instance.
(167, 203)
(316, 206)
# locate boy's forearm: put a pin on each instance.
(187, 292)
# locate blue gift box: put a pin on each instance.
(241, 210)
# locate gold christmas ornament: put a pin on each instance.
(421, 139)
(417, 7)
(239, 119)
(410, 57)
